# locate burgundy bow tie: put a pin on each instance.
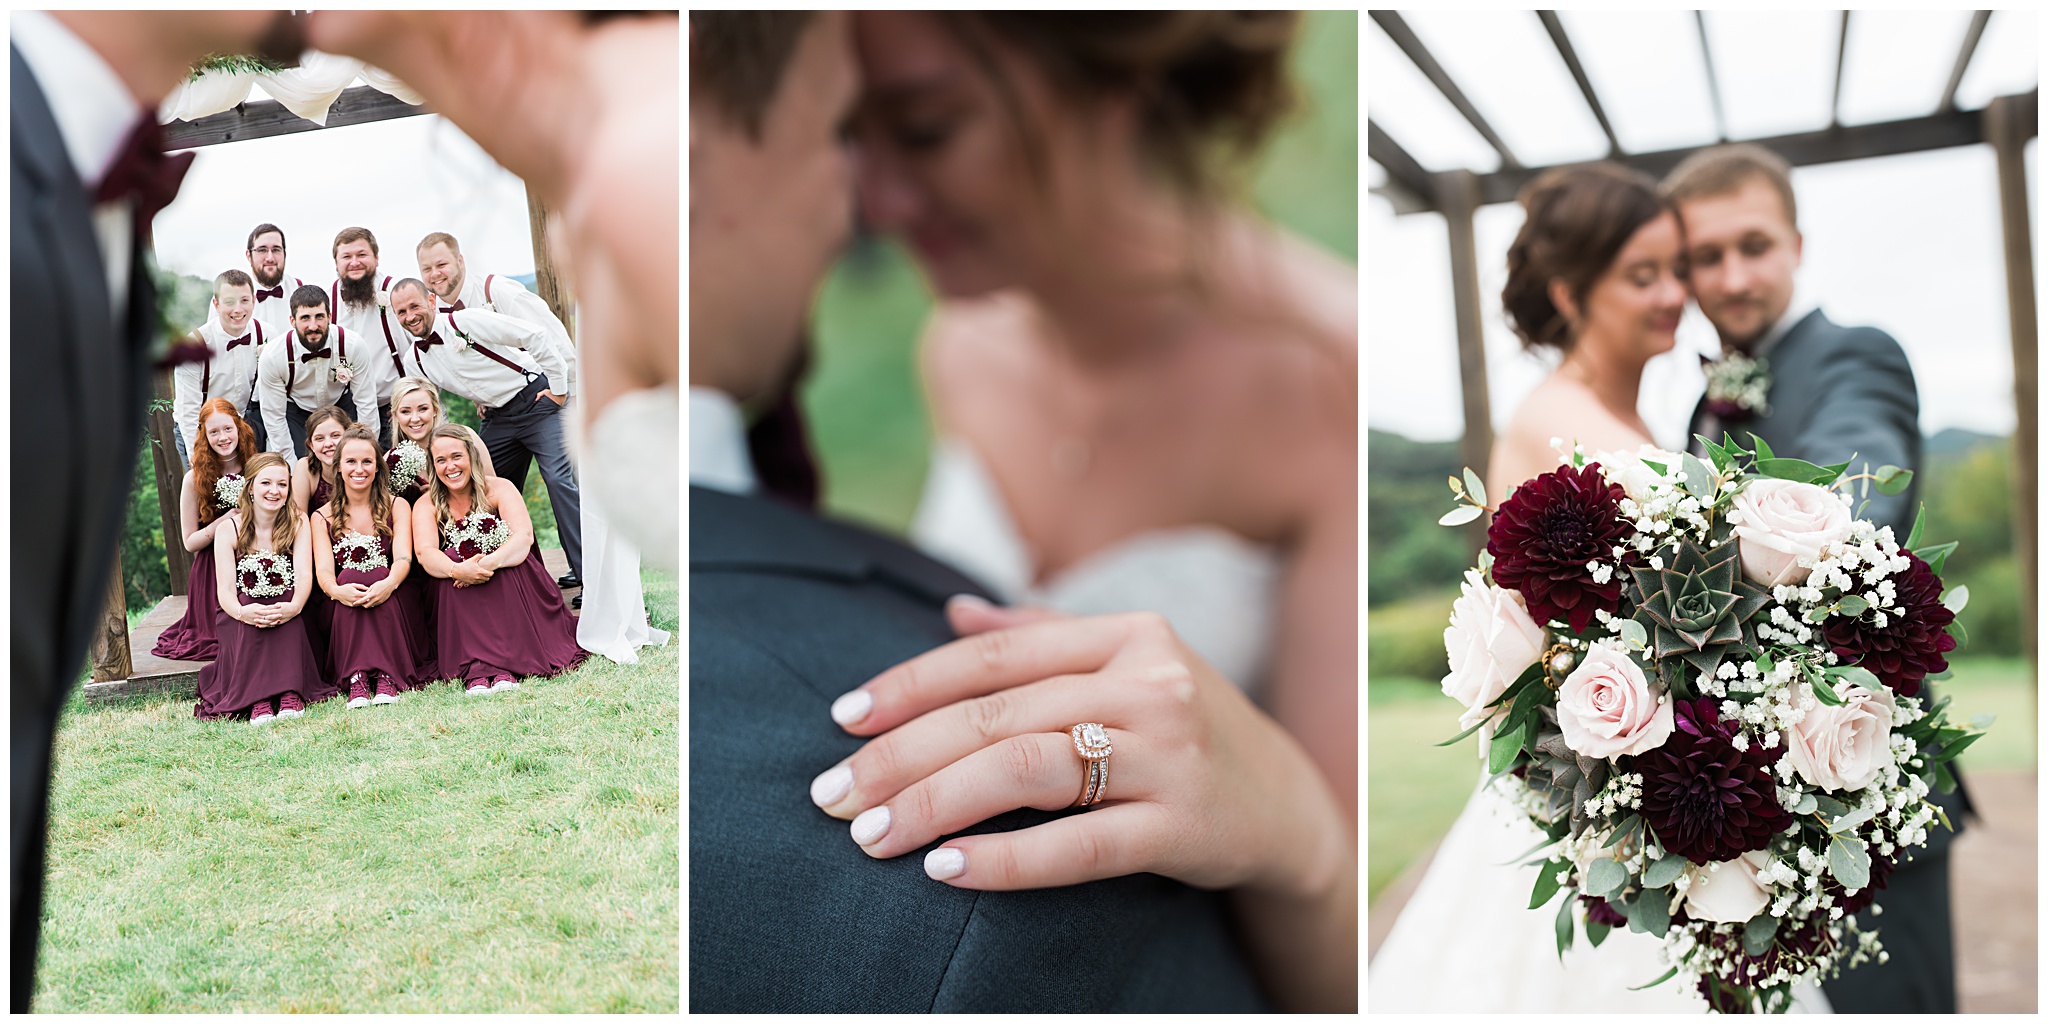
(270, 293)
(432, 339)
(144, 173)
(457, 308)
(320, 353)
(246, 339)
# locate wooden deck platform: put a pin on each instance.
(152, 674)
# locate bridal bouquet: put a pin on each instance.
(227, 491)
(264, 574)
(407, 462)
(479, 533)
(1702, 681)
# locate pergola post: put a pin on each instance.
(110, 656)
(2009, 122)
(1457, 195)
(546, 282)
(170, 476)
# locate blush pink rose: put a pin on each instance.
(1843, 748)
(1728, 891)
(1607, 708)
(1783, 522)
(1491, 640)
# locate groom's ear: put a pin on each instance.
(1561, 298)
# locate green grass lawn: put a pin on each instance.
(1414, 790)
(448, 854)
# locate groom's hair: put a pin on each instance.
(1723, 169)
(738, 58)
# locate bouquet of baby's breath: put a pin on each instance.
(227, 491)
(1701, 679)
(264, 574)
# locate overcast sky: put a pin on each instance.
(402, 179)
(1910, 244)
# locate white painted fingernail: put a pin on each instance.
(969, 601)
(945, 862)
(852, 706)
(832, 786)
(870, 825)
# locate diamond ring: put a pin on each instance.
(1091, 741)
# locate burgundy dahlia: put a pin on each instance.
(487, 523)
(1545, 534)
(1599, 911)
(1706, 800)
(1909, 646)
(468, 549)
(249, 579)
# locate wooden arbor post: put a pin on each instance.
(546, 282)
(1457, 195)
(170, 476)
(2008, 123)
(110, 655)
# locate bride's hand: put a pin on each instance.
(1204, 787)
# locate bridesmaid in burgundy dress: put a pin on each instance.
(212, 488)
(415, 412)
(313, 488)
(497, 614)
(362, 553)
(264, 564)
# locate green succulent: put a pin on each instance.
(1695, 610)
(1565, 779)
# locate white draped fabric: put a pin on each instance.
(613, 622)
(308, 90)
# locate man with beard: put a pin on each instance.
(504, 365)
(360, 302)
(312, 367)
(265, 251)
(445, 271)
(89, 175)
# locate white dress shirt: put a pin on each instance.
(718, 443)
(449, 355)
(501, 294)
(374, 326)
(229, 371)
(284, 374)
(94, 112)
(276, 310)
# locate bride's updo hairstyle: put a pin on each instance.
(1209, 86)
(1578, 220)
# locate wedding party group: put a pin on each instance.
(1085, 739)
(1702, 679)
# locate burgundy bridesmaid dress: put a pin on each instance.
(383, 639)
(192, 637)
(259, 664)
(514, 624)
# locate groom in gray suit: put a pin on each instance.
(788, 610)
(1831, 393)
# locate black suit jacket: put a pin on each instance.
(787, 612)
(1838, 392)
(82, 378)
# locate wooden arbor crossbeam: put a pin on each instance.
(112, 660)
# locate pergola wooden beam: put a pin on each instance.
(1841, 58)
(1563, 42)
(262, 119)
(1405, 38)
(1699, 20)
(2009, 122)
(1405, 172)
(1975, 33)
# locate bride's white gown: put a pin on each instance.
(1217, 589)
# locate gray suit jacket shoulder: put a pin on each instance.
(787, 612)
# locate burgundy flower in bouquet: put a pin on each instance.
(485, 524)
(1705, 799)
(468, 549)
(1599, 911)
(1727, 410)
(1544, 535)
(1908, 647)
(250, 579)
(276, 580)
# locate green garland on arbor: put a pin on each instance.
(232, 63)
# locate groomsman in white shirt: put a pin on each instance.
(444, 270)
(274, 288)
(234, 340)
(311, 367)
(359, 299)
(504, 365)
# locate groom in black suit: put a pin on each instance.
(86, 179)
(1834, 393)
(788, 611)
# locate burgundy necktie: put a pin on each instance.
(779, 448)
(144, 173)
(270, 293)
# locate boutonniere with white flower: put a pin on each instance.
(227, 491)
(264, 574)
(462, 339)
(406, 461)
(346, 372)
(359, 552)
(1738, 386)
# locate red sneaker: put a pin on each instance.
(358, 691)
(290, 706)
(477, 688)
(387, 691)
(262, 713)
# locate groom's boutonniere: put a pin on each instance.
(1737, 386)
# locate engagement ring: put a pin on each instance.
(1091, 741)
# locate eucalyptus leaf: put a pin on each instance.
(1564, 928)
(1806, 805)
(1856, 675)
(1956, 599)
(1666, 976)
(1796, 470)
(1892, 480)
(1629, 825)
(1605, 877)
(1955, 629)
(1474, 489)
(1457, 486)
(1663, 872)
(1852, 605)
(1546, 884)
(1829, 806)
(1653, 907)
(1698, 480)
(1460, 516)
(1849, 862)
(1758, 933)
(1596, 933)
(1633, 633)
(1983, 721)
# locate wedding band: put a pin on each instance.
(1091, 741)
